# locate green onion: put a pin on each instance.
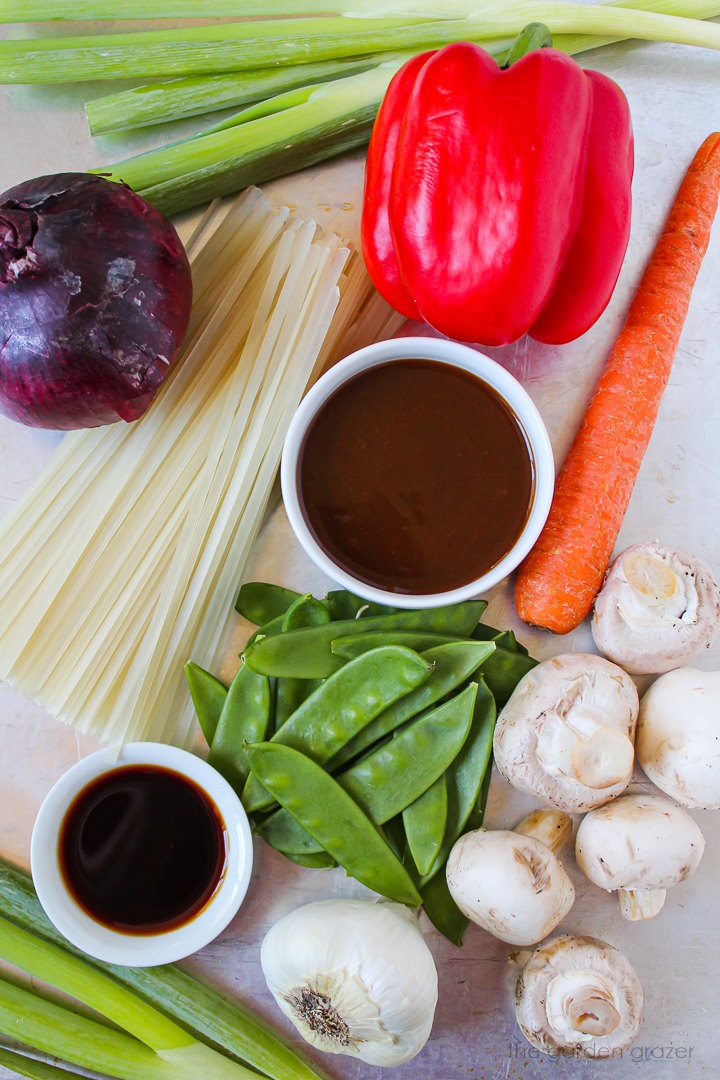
(36, 1070)
(46, 10)
(152, 1030)
(251, 147)
(243, 45)
(156, 103)
(220, 47)
(58, 1031)
(173, 991)
(336, 116)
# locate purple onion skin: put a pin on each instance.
(95, 296)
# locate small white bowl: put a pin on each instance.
(460, 356)
(139, 950)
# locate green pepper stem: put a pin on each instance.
(533, 36)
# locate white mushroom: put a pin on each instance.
(678, 740)
(512, 883)
(579, 995)
(639, 845)
(657, 609)
(566, 734)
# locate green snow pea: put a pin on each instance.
(345, 605)
(452, 665)
(315, 860)
(394, 832)
(392, 777)
(350, 647)
(504, 670)
(343, 705)
(268, 629)
(425, 821)
(245, 717)
(305, 611)
(307, 653)
(441, 909)
(328, 813)
(466, 774)
(260, 602)
(208, 696)
(477, 814)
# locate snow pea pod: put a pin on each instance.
(315, 860)
(391, 778)
(307, 653)
(328, 813)
(208, 696)
(245, 717)
(503, 671)
(466, 774)
(353, 646)
(345, 605)
(452, 665)
(442, 911)
(268, 629)
(504, 639)
(290, 694)
(259, 602)
(343, 705)
(425, 821)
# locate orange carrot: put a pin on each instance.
(560, 578)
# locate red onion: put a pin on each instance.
(95, 294)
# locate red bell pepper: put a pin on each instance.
(497, 202)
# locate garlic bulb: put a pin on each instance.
(355, 977)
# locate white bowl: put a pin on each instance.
(460, 356)
(139, 950)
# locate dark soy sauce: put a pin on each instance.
(142, 849)
(416, 477)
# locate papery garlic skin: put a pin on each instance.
(355, 977)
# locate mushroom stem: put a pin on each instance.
(551, 827)
(638, 904)
(604, 759)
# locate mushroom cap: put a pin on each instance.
(657, 609)
(678, 737)
(566, 705)
(638, 842)
(512, 885)
(570, 990)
